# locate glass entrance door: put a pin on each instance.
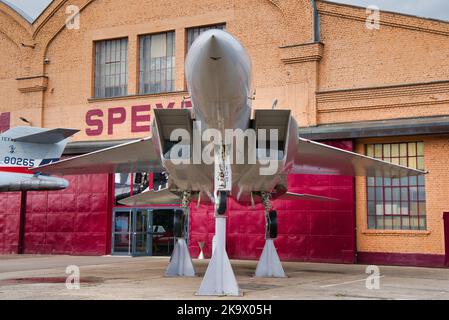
(142, 239)
(121, 233)
(131, 234)
(143, 231)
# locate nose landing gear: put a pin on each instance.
(219, 279)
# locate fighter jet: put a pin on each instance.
(24, 147)
(219, 150)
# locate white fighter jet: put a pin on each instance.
(24, 147)
(217, 150)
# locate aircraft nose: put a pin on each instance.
(214, 47)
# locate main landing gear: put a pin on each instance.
(180, 261)
(269, 264)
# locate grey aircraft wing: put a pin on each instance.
(304, 196)
(134, 156)
(317, 158)
(163, 196)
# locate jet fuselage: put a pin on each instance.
(218, 74)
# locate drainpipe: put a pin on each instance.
(316, 23)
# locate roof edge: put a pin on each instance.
(378, 128)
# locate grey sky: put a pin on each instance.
(32, 8)
(437, 9)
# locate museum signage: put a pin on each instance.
(101, 121)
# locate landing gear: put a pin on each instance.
(180, 261)
(269, 264)
(219, 279)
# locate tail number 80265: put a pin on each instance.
(19, 161)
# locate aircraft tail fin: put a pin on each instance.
(39, 135)
(31, 146)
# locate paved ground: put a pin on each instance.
(108, 277)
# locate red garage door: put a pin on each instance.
(9, 222)
(308, 231)
(72, 221)
(446, 236)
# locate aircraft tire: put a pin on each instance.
(221, 202)
(272, 225)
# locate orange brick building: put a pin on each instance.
(382, 88)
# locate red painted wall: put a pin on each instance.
(73, 221)
(308, 230)
(9, 222)
(446, 237)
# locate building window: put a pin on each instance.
(399, 203)
(193, 33)
(111, 68)
(157, 63)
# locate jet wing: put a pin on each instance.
(164, 196)
(317, 158)
(303, 196)
(134, 156)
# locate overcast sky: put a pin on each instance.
(437, 9)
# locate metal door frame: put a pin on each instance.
(114, 211)
(149, 232)
(132, 232)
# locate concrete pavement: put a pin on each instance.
(113, 277)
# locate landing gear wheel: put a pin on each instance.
(221, 202)
(272, 225)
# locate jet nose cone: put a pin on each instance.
(213, 45)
